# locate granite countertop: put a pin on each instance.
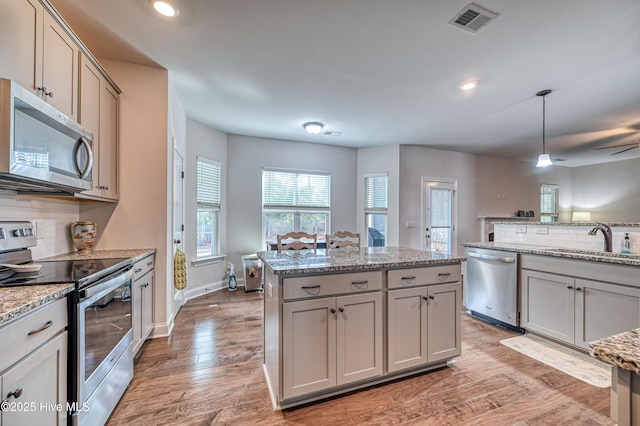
(567, 253)
(134, 254)
(620, 350)
(526, 222)
(19, 300)
(350, 259)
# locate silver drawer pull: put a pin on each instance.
(412, 277)
(43, 328)
(359, 282)
(137, 270)
(444, 274)
(310, 287)
(149, 263)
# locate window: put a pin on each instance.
(295, 201)
(208, 207)
(548, 203)
(375, 208)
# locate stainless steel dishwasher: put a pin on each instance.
(492, 286)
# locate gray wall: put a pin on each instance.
(248, 155)
(212, 144)
(610, 191)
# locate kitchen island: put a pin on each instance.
(338, 320)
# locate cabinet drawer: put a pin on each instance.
(399, 278)
(143, 266)
(15, 337)
(325, 285)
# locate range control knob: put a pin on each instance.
(16, 232)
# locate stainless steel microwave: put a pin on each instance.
(41, 149)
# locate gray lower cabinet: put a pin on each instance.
(423, 325)
(576, 310)
(33, 368)
(142, 298)
(329, 342)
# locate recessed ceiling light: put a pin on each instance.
(313, 127)
(165, 8)
(469, 85)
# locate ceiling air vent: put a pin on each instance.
(472, 18)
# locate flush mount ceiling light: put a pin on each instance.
(165, 8)
(543, 159)
(469, 85)
(313, 127)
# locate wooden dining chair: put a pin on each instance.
(297, 241)
(341, 239)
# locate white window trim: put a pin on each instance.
(215, 256)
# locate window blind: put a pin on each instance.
(208, 183)
(295, 190)
(375, 193)
(549, 199)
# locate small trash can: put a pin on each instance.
(252, 267)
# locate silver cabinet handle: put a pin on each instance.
(412, 277)
(137, 270)
(82, 172)
(487, 257)
(444, 274)
(149, 263)
(359, 282)
(310, 287)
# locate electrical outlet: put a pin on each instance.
(542, 230)
(521, 229)
(411, 224)
(39, 230)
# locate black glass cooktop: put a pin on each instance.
(62, 272)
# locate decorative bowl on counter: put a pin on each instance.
(83, 235)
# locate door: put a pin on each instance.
(439, 215)
(178, 218)
(359, 334)
(407, 328)
(603, 310)
(308, 346)
(444, 306)
(547, 302)
(40, 381)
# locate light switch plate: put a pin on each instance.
(411, 224)
(543, 230)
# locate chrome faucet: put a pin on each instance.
(606, 231)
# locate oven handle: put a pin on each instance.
(107, 284)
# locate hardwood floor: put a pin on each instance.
(209, 372)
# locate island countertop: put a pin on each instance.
(620, 350)
(292, 262)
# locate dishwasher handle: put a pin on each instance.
(489, 257)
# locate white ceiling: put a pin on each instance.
(387, 72)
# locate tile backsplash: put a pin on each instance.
(569, 236)
(50, 216)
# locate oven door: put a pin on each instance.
(104, 329)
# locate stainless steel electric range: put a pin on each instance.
(100, 326)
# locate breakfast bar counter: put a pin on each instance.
(336, 320)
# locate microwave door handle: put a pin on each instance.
(82, 172)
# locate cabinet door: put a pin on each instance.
(109, 142)
(308, 346)
(89, 114)
(42, 379)
(147, 306)
(406, 328)
(444, 307)
(359, 337)
(136, 313)
(603, 310)
(60, 67)
(547, 304)
(21, 41)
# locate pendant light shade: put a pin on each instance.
(543, 159)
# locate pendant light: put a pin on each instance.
(543, 159)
